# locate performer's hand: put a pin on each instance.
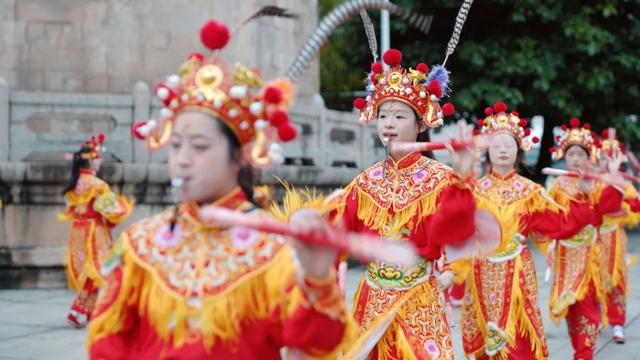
(446, 279)
(316, 261)
(462, 160)
(615, 160)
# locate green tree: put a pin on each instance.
(557, 59)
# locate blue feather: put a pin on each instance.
(440, 73)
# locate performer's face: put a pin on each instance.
(200, 154)
(503, 150)
(576, 158)
(397, 122)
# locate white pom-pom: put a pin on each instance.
(144, 130)
(244, 125)
(152, 123)
(217, 103)
(440, 115)
(368, 98)
(200, 97)
(185, 97)
(232, 113)
(256, 108)
(371, 88)
(165, 113)
(383, 81)
(275, 148)
(162, 93)
(260, 124)
(407, 90)
(405, 81)
(277, 158)
(423, 94)
(173, 81)
(174, 104)
(433, 98)
(238, 92)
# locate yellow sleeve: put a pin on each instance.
(114, 208)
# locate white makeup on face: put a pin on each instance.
(503, 151)
(576, 158)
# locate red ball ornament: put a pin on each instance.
(488, 111)
(586, 126)
(515, 113)
(499, 107)
(101, 137)
(435, 89)
(374, 78)
(376, 67)
(605, 134)
(197, 56)
(480, 123)
(527, 132)
(563, 127)
(272, 95)
(392, 57)
(287, 132)
(535, 140)
(574, 122)
(423, 68)
(359, 103)
(278, 118)
(523, 122)
(448, 109)
(476, 132)
(214, 35)
(552, 150)
(558, 137)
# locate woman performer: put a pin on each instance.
(182, 288)
(500, 315)
(93, 210)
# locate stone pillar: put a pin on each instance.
(4, 120)
(141, 111)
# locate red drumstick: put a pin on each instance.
(363, 246)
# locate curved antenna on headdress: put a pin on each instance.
(268, 10)
(370, 30)
(338, 16)
(457, 29)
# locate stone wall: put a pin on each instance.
(106, 46)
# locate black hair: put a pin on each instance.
(246, 175)
(79, 162)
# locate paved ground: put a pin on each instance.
(32, 323)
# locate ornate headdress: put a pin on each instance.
(415, 87)
(499, 120)
(575, 134)
(254, 110)
(94, 144)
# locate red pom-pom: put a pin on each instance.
(448, 109)
(515, 113)
(563, 127)
(499, 107)
(593, 134)
(287, 132)
(552, 150)
(597, 142)
(605, 134)
(527, 132)
(376, 67)
(135, 130)
(373, 78)
(278, 118)
(359, 103)
(272, 95)
(214, 35)
(586, 126)
(535, 140)
(488, 111)
(435, 89)
(574, 122)
(558, 137)
(101, 137)
(523, 122)
(480, 123)
(392, 57)
(165, 93)
(476, 132)
(423, 68)
(196, 55)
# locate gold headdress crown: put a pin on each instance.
(499, 120)
(417, 88)
(94, 144)
(575, 134)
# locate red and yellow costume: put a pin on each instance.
(211, 292)
(180, 288)
(93, 210)
(612, 239)
(500, 315)
(578, 292)
(400, 310)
